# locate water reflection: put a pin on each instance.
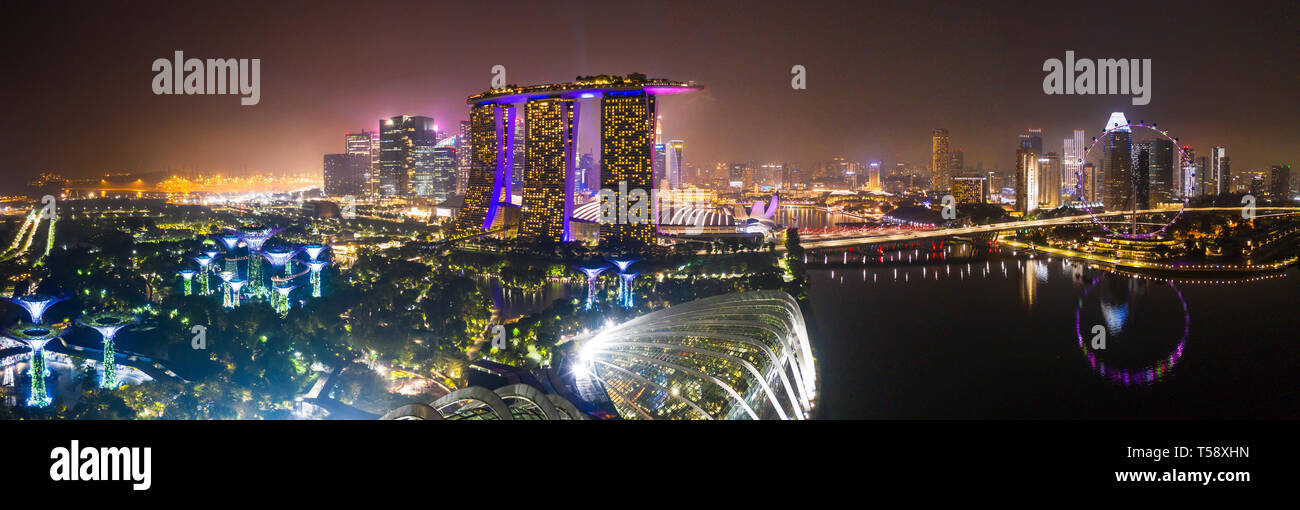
(1118, 297)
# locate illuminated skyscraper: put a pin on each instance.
(365, 144)
(462, 158)
(674, 168)
(1142, 175)
(487, 166)
(969, 190)
(345, 174)
(1186, 185)
(1049, 181)
(548, 177)
(627, 130)
(1072, 158)
(939, 159)
(399, 139)
(1279, 182)
(1026, 180)
(1090, 184)
(873, 176)
(1117, 164)
(956, 162)
(1219, 170)
(1161, 165)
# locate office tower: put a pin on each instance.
(1090, 185)
(548, 182)
(1117, 165)
(1142, 175)
(970, 190)
(488, 132)
(627, 133)
(445, 164)
(1049, 181)
(345, 174)
(1032, 139)
(1279, 182)
(940, 174)
(1220, 171)
(1204, 178)
(1072, 158)
(956, 162)
(463, 151)
(1161, 167)
(873, 176)
(675, 150)
(1185, 175)
(1026, 180)
(365, 144)
(398, 139)
(588, 173)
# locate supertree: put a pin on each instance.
(626, 291)
(592, 274)
(188, 275)
(36, 336)
(36, 305)
(315, 266)
(231, 242)
(205, 262)
(235, 286)
(280, 298)
(625, 286)
(314, 250)
(281, 257)
(107, 324)
(255, 238)
(226, 299)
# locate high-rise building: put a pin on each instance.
(627, 132)
(1161, 167)
(1220, 170)
(956, 162)
(873, 176)
(399, 138)
(435, 170)
(1026, 180)
(1204, 177)
(940, 174)
(520, 146)
(1117, 165)
(463, 151)
(488, 131)
(548, 183)
(1090, 186)
(1049, 181)
(1279, 182)
(1072, 155)
(345, 174)
(365, 144)
(1032, 139)
(970, 190)
(1185, 186)
(1142, 175)
(588, 177)
(675, 150)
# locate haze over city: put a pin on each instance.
(880, 77)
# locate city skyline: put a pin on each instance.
(748, 112)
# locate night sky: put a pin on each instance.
(881, 75)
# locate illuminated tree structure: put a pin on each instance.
(205, 263)
(226, 299)
(592, 274)
(36, 305)
(188, 276)
(314, 250)
(231, 242)
(108, 324)
(36, 336)
(625, 290)
(281, 257)
(315, 266)
(235, 286)
(256, 238)
(280, 297)
(625, 281)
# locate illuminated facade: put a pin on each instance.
(1026, 180)
(400, 140)
(548, 175)
(626, 129)
(365, 145)
(736, 356)
(1117, 164)
(939, 159)
(487, 167)
(969, 190)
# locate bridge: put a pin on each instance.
(909, 234)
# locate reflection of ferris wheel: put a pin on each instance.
(1118, 124)
(1128, 377)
